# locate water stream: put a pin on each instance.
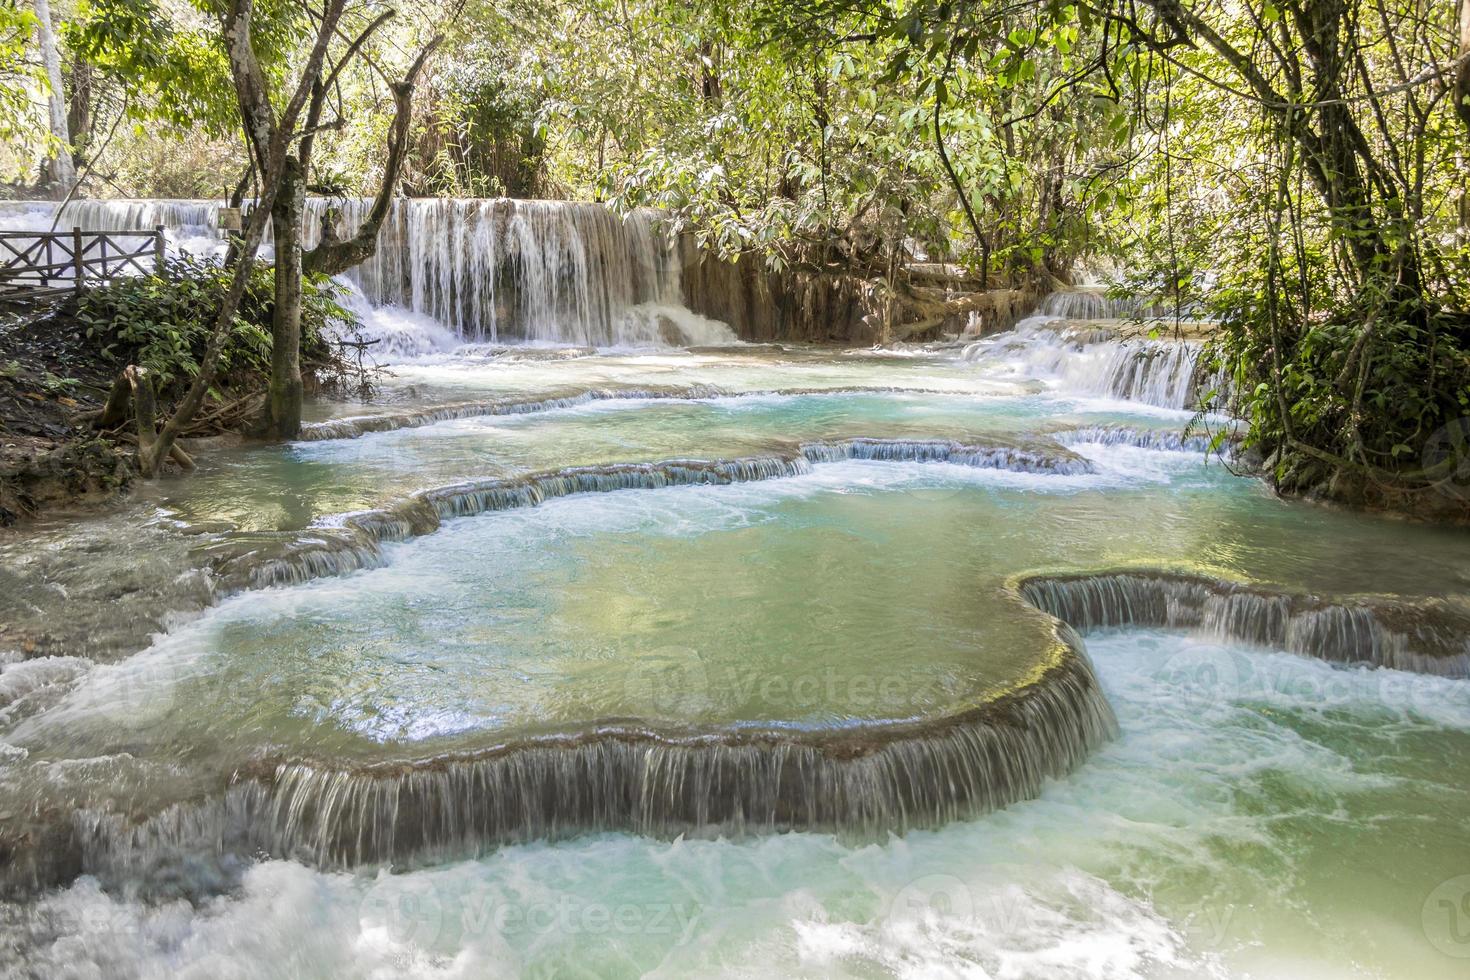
(594, 654)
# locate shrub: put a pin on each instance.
(162, 322)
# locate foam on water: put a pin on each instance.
(394, 333)
(1079, 359)
(1155, 860)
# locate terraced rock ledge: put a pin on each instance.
(1429, 636)
(641, 777)
(355, 426)
(348, 542)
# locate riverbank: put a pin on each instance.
(65, 446)
(51, 383)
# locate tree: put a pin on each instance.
(1462, 74)
(60, 166)
(270, 134)
(16, 77)
(281, 93)
(331, 255)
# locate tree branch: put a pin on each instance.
(333, 255)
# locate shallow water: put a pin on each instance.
(1260, 813)
(1290, 819)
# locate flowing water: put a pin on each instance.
(569, 659)
(477, 270)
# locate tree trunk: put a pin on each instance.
(330, 257)
(60, 168)
(1341, 163)
(709, 73)
(79, 113)
(285, 386)
(1462, 75)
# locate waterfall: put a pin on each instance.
(1428, 636)
(190, 226)
(497, 270)
(865, 781)
(1164, 440)
(542, 271)
(1096, 359)
(1093, 303)
(1050, 460)
(133, 215)
(1155, 372)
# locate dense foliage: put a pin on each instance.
(1295, 168)
(17, 72)
(1310, 176)
(161, 322)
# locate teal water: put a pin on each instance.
(1260, 813)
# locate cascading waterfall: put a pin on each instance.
(543, 271)
(1098, 360)
(191, 226)
(1085, 303)
(349, 542)
(1155, 372)
(488, 270)
(1052, 460)
(629, 776)
(134, 215)
(1164, 440)
(611, 774)
(1427, 636)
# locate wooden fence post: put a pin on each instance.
(158, 249)
(76, 258)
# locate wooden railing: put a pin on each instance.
(41, 264)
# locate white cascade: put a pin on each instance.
(553, 272)
(1095, 360)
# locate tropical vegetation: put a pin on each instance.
(1295, 169)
